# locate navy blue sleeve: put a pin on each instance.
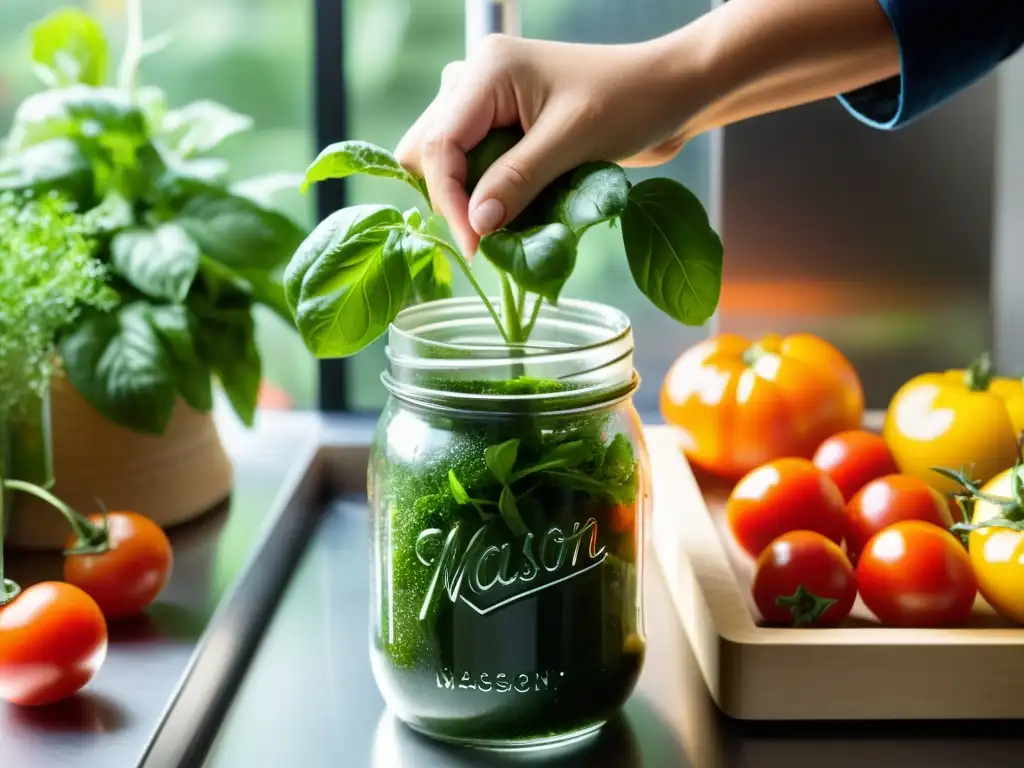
(945, 46)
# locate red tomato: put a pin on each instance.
(53, 640)
(804, 579)
(853, 459)
(782, 496)
(126, 578)
(914, 574)
(889, 500)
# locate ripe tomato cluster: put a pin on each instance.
(54, 635)
(793, 514)
(875, 513)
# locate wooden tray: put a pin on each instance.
(859, 671)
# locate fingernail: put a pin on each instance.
(487, 216)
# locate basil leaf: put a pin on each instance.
(413, 218)
(501, 458)
(435, 282)
(481, 157)
(429, 267)
(458, 492)
(539, 259)
(510, 513)
(177, 330)
(113, 214)
(69, 47)
(201, 126)
(588, 195)
(117, 362)
(227, 344)
(236, 231)
(104, 115)
(57, 164)
(262, 189)
(161, 262)
(619, 460)
(623, 493)
(259, 286)
(674, 254)
(349, 157)
(349, 279)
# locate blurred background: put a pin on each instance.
(896, 247)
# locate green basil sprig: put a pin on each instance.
(189, 254)
(358, 269)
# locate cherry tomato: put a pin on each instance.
(53, 640)
(997, 553)
(853, 459)
(804, 579)
(914, 574)
(889, 500)
(126, 578)
(736, 404)
(782, 496)
(957, 419)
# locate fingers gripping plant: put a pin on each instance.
(363, 264)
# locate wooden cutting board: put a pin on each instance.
(858, 671)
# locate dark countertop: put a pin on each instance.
(110, 723)
(308, 699)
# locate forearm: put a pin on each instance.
(751, 57)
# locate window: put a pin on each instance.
(395, 50)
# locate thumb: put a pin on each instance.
(518, 176)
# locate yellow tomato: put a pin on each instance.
(966, 420)
(997, 554)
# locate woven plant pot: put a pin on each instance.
(171, 478)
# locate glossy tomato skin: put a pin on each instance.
(53, 640)
(126, 578)
(809, 560)
(914, 574)
(934, 420)
(736, 405)
(888, 500)
(853, 459)
(783, 495)
(997, 554)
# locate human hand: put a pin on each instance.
(576, 103)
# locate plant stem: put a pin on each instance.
(510, 310)
(521, 303)
(533, 317)
(468, 272)
(91, 538)
(8, 589)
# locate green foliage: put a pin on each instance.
(48, 273)
(189, 255)
(351, 277)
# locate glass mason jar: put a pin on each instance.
(509, 489)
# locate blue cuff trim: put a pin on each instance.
(945, 46)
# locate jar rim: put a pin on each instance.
(450, 354)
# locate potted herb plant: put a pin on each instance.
(188, 256)
(509, 481)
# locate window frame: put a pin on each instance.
(330, 109)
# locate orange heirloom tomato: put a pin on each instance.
(737, 405)
(958, 419)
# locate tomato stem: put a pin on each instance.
(8, 589)
(89, 539)
(805, 606)
(979, 374)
